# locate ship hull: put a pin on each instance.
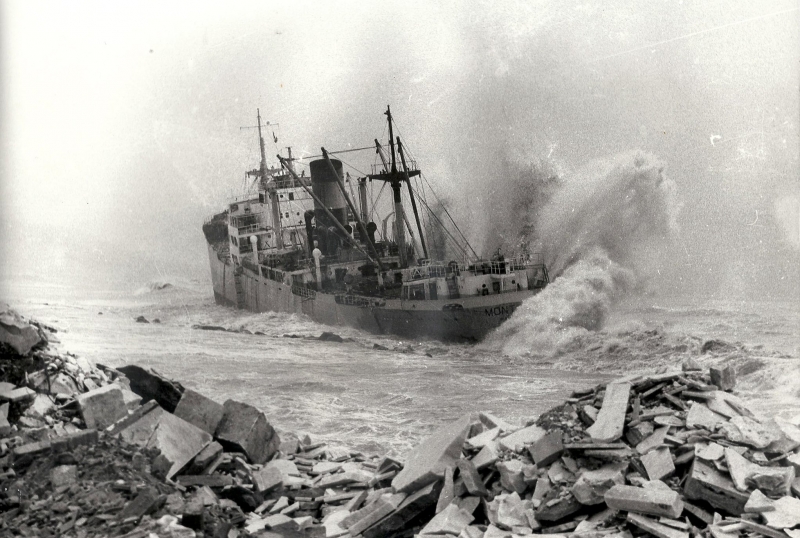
(467, 318)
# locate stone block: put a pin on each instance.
(786, 514)
(17, 395)
(178, 441)
(638, 433)
(700, 416)
(23, 455)
(655, 528)
(758, 503)
(512, 477)
(450, 521)
(427, 462)
(611, 418)
(150, 385)
(132, 400)
(206, 457)
(654, 441)
(749, 431)
(591, 486)
(657, 502)
(266, 480)
(245, 429)
(57, 383)
(705, 483)
(480, 440)
(71, 441)
(448, 490)
(658, 464)
(147, 501)
(411, 507)
(18, 333)
(724, 378)
(210, 480)
(517, 441)
(488, 455)
(199, 410)
(509, 511)
(100, 408)
(63, 475)
(472, 480)
(547, 449)
(774, 481)
(555, 508)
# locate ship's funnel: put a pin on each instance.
(324, 185)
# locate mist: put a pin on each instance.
(121, 129)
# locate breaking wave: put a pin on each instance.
(601, 231)
(153, 286)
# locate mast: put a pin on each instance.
(271, 190)
(411, 196)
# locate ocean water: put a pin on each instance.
(385, 401)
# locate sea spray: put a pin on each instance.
(600, 231)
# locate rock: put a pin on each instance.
(146, 501)
(63, 475)
(72, 441)
(704, 483)
(548, 449)
(611, 418)
(709, 452)
(654, 441)
(774, 481)
(141, 319)
(510, 511)
(196, 409)
(472, 480)
(102, 407)
(330, 337)
(657, 502)
(245, 429)
(638, 433)
(488, 455)
(58, 383)
(152, 386)
(5, 426)
(132, 400)
(658, 464)
(591, 486)
(758, 503)
(786, 514)
(266, 480)
(481, 440)
(724, 378)
(372, 514)
(511, 476)
(452, 520)
(17, 395)
(691, 365)
(748, 431)
(517, 441)
(448, 490)
(178, 440)
(411, 507)
(427, 462)
(700, 416)
(655, 528)
(557, 508)
(206, 457)
(20, 335)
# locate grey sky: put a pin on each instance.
(121, 120)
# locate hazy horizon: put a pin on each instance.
(121, 122)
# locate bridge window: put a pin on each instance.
(404, 293)
(432, 291)
(291, 196)
(417, 292)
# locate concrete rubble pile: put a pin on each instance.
(672, 455)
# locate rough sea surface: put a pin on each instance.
(379, 401)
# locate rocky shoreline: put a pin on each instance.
(89, 451)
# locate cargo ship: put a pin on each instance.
(312, 244)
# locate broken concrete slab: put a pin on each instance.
(656, 502)
(452, 520)
(709, 451)
(199, 410)
(102, 407)
(758, 503)
(480, 440)
(774, 481)
(63, 475)
(654, 441)
(427, 462)
(411, 507)
(151, 385)
(658, 464)
(178, 440)
(724, 378)
(245, 429)
(472, 480)
(512, 477)
(267, 479)
(548, 449)
(17, 333)
(488, 455)
(705, 483)
(57, 383)
(516, 442)
(786, 514)
(700, 416)
(655, 528)
(748, 431)
(17, 395)
(591, 486)
(611, 418)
